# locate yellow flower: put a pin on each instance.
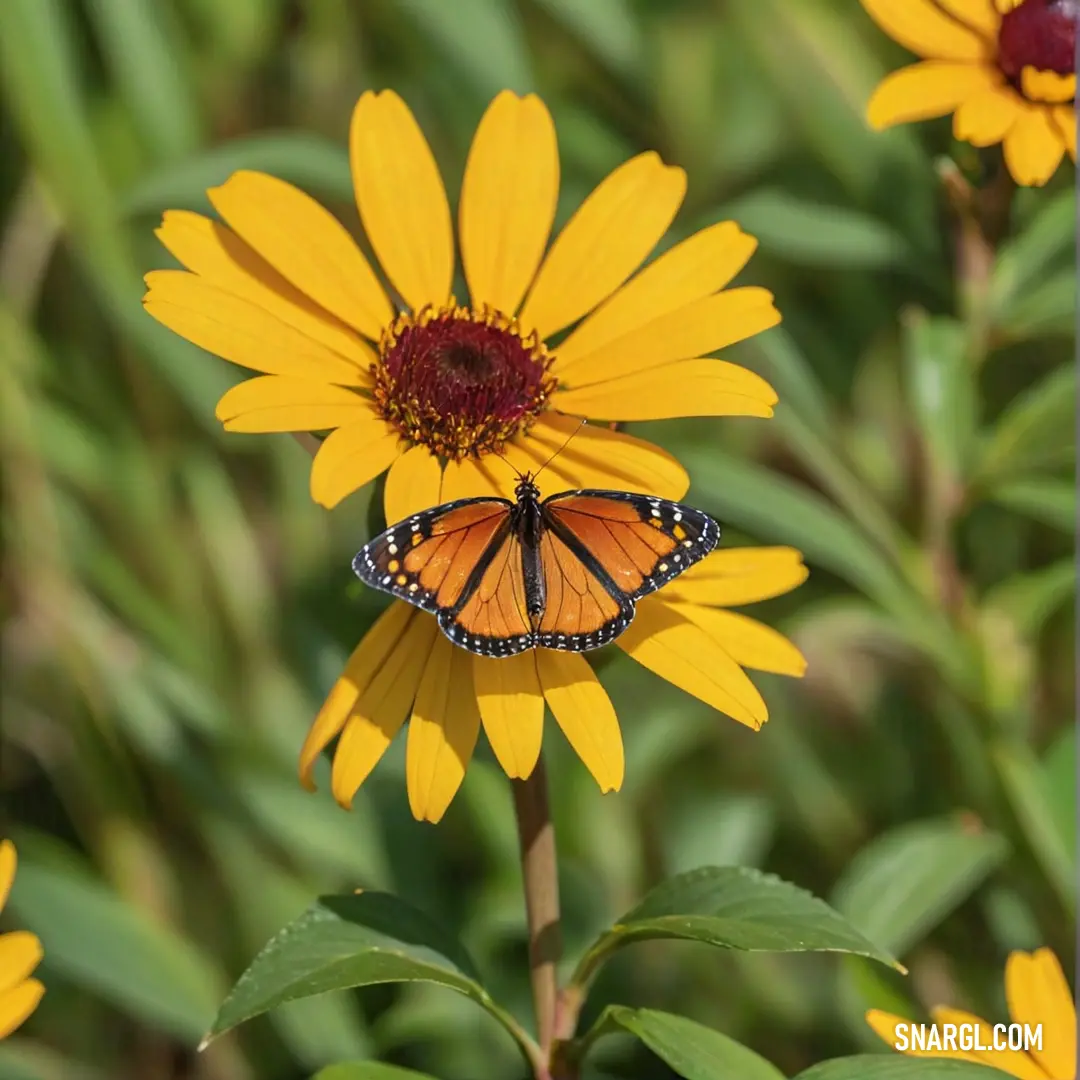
(20, 953)
(1037, 993)
(1006, 71)
(405, 669)
(405, 378)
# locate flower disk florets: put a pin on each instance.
(461, 382)
(1039, 34)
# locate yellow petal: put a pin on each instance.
(885, 1024)
(282, 403)
(238, 330)
(442, 731)
(985, 118)
(923, 91)
(414, 483)
(1064, 116)
(596, 457)
(698, 266)
(470, 479)
(218, 255)
(20, 953)
(381, 708)
(674, 648)
(367, 658)
(1037, 993)
(583, 710)
(1034, 147)
(691, 331)
(739, 576)
(401, 199)
(703, 387)
(511, 703)
(748, 642)
(508, 200)
(605, 241)
(17, 1004)
(1047, 86)
(922, 27)
(307, 245)
(351, 456)
(980, 15)
(1012, 1062)
(8, 862)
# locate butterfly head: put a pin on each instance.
(526, 489)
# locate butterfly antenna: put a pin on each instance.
(560, 450)
(507, 461)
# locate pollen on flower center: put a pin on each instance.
(1039, 34)
(459, 381)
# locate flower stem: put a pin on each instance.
(537, 836)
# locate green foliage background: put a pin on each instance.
(176, 606)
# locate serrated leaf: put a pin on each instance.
(694, 1051)
(895, 1067)
(904, 882)
(734, 907)
(369, 1070)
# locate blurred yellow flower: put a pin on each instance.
(405, 669)
(20, 953)
(1037, 993)
(404, 378)
(1005, 69)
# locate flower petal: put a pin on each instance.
(674, 648)
(511, 702)
(282, 403)
(401, 198)
(508, 200)
(243, 332)
(442, 731)
(1034, 147)
(702, 264)
(1037, 993)
(414, 483)
(583, 710)
(469, 479)
(307, 245)
(20, 953)
(596, 457)
(367, 658)
(1047, 85)
(691, 331)
(218, 255)
(885, 1024)
(17, 1004)
(8, 862)
(702, 387)
(749, 643)
(986, 118)
(351, 456)
(1064, 116)
(1012, 1062)
(605, 241)
(980, 15)
(922, 27)
(926, 90)
(739, 576)
(381, 708)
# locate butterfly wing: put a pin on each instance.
(626, 544)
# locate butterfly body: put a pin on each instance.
(563, 573)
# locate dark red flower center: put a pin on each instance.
(459, 381)
(1039, 34)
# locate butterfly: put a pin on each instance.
(565, 573)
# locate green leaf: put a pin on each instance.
(107, 946)
(1048, 310)
(902, 884)
(607, 27)
(694, 1051)
(1051, 501)
(733, 907)
(896, 1067)
(1029, 600)
(369, 1070)
(1026, 259)
(349, 941)
(1059, 783)
(812, 234)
